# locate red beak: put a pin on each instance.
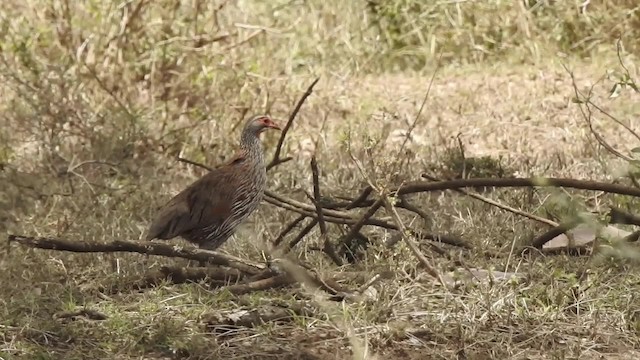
(273, 125)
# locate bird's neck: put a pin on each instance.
(251, 144)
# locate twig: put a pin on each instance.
(273, 282)
(618, 216)
(499, 205)
(633, 237)
(350, 203)
(303, 276)
(244, 41)
(587, 116)
(361, 198)
(355, 229)
(400, 225)
(443, 239)
(302, 234)
(276, 156)
(327, 245)
(194, 163)
(417, 117)
(406, 205)
(87, 313)
(288, 229)
(338, 217)
(277, 199)
(148, 248)
(410, 243)
(423, 186)
(552, 233)
(180, 275)
(369, 283)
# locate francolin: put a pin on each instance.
(208, 211)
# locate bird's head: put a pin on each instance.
(260, 123)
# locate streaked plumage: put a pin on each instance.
(209, 210)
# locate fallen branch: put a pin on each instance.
(288, 229)
(355, 229)
(384, 196)
(633, 237)
(499, 205)
(410, 243)
(86, 313)
(148, 248)
(332, 215)
(424, 186)
(361, 198)
(403, 203)
(339, 217)
(273, 282)
(307, 277)
(618, 216)
(552, 233)
(180, 275)
(306, 230)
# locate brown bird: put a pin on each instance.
(208, 211)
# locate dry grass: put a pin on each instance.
(98, 98)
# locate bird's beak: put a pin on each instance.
(275, 126)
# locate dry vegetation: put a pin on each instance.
(99, 98)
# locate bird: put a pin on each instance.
(207, 212)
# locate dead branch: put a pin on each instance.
(424, 186)
(148, 248)
(276, 156)
(86, 313)
(406, 205)
(384, 196)
(444, 239)
(633, 237)
(587, 116)
(330, 215)
(306, 230)
(361, 198)
(288, 229)
(410, 243)
(294, 205)
(350, 203)
(328, 247)
(552, 233)
(338, 217)
(191, 162)
(273, 282)
(619, 216)
(308, 277)
(498, 205)
(357, 226)
(180, 275)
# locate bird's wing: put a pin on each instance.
(207, 202)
